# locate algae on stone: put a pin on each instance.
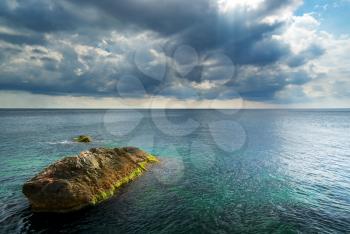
(87, 179)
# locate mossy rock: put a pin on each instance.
(83, 139)
(86, 179)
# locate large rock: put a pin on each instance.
(86, 179)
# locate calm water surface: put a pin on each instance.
(253, 171)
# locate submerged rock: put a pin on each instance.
(86, 179)
(83, 139)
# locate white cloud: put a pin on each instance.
(301, 32)
(226, 6)
(327, 71)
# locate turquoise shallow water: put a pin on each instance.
(253, 171)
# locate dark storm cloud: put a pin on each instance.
(242, 35)
(41, 16)
(166, 17)
(263, 85)
(50, 16)
(198, 23)
(22, 39)
(174, 16)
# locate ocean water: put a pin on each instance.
(248, 171)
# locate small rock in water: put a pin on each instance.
(86, 179)
(83, 139)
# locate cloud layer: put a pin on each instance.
(208, 49)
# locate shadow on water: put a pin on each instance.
(75, 222)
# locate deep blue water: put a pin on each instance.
(252, 171)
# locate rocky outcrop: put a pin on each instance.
(86, 179)
(83, 139)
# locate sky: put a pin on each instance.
(175, 54)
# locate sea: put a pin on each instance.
(221, 171)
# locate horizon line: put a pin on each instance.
(142, 108)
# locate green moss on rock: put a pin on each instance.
(104, 195)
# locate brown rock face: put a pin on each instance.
(86, 179)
